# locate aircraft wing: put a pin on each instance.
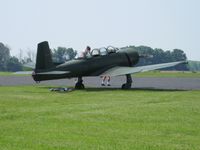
(117, 71)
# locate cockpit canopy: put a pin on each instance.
(100, 52)
(103, 51)
(112, 49)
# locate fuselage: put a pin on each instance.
(93, 66)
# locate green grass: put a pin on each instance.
(168, 74)
(11, 74)
(34, 118)
(6, 73)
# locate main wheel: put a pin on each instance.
(79, 86)
(126, 86)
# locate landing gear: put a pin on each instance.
(128, 83)
(79, 84)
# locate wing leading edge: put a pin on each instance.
(117, 71)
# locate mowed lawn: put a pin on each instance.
(34, 118)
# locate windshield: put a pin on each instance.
(112, 49)
(103, 51)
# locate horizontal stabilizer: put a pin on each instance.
(24, 72)
(54, 72)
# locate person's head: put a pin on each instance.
(88, 48)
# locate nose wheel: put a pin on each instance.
(79, 84)
(128, 83)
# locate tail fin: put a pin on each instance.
(44, 57)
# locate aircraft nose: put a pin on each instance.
(133, 56)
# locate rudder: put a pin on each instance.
(44, 57)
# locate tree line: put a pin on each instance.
(8, 62)
(194, 65)
(63, 54)
(15, 63)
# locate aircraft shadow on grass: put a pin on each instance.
(134, 89)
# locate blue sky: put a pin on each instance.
(165, 24)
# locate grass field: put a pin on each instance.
(11, 74)
(34, 118)
(5, 73)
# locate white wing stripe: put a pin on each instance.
(54, 72)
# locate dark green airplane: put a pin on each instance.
(101, 62)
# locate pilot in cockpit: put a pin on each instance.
(87, 53)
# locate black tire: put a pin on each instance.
(79, 86)
(82, 86)
(126, 86)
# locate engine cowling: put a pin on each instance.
(132, 56)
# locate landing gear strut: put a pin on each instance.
(128, 83)
(79, 84)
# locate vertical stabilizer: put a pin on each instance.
(44, 57)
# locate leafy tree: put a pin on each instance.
(194, 65)
(71, 53)
(13, 64)
(178, 55)
(62, 54)
(4, 56)
(8, 63)
(158, 56)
